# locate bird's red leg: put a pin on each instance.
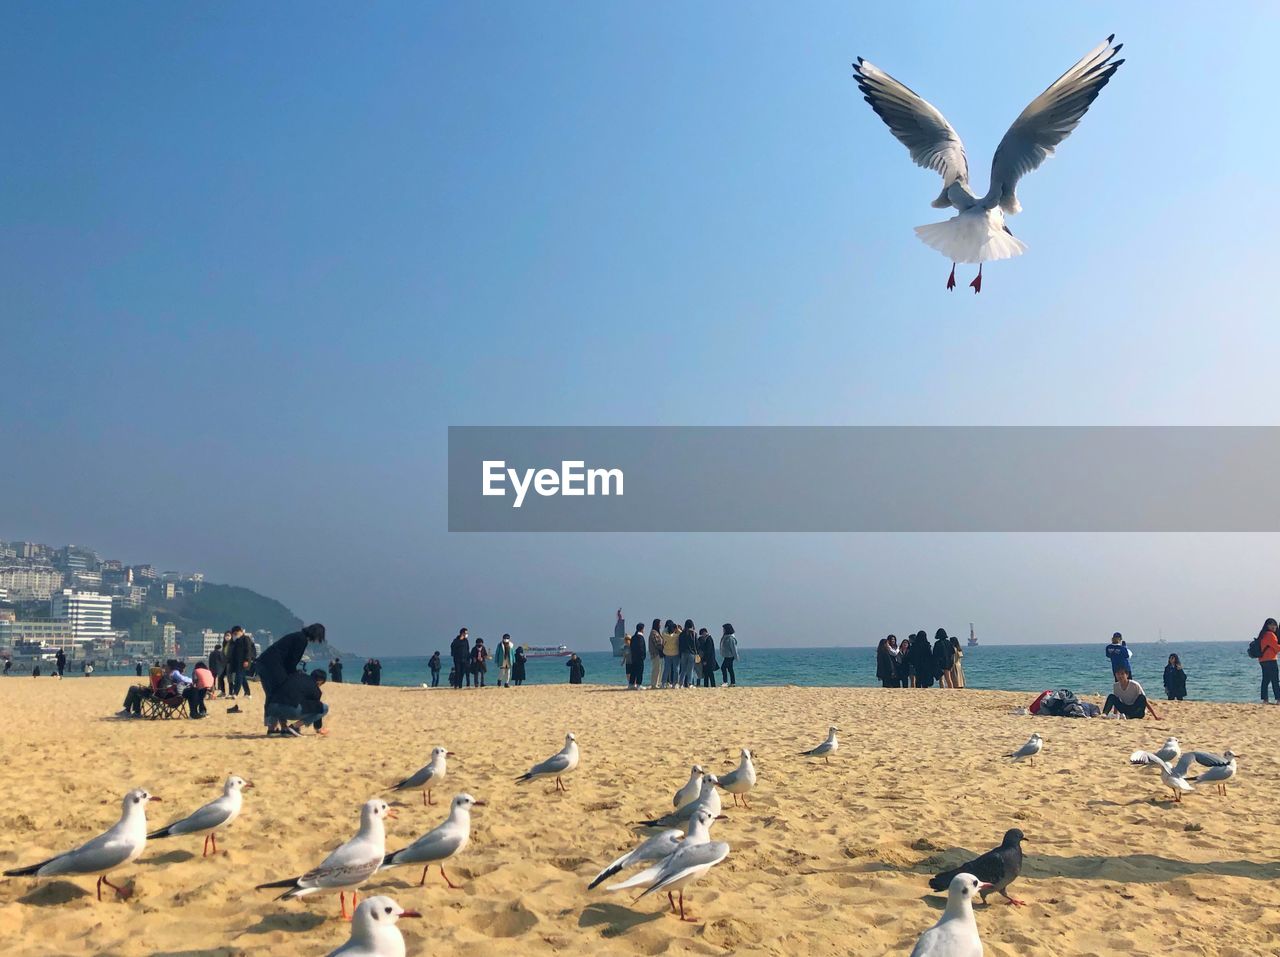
(977, 281)
(423, 882)
(1013, 900)
(100, 891)
(673, 902)
(744, 802)
(951, 280)
(214, 839)
(205, 852)
(692, 920)
(120, 891)
(430, 800)
(451, 884)
(342, 904)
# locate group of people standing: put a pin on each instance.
(471, 663)
(679, 657)
(915, 663)
(233, 661)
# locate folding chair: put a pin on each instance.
(165, 701)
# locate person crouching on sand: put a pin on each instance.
(1128, 699)
(281, 660)
(296, 704)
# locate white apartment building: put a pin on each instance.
(89, 613)
(28, 582)
(52, 633)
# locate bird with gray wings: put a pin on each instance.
(977, 233)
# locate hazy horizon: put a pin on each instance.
(256, 260)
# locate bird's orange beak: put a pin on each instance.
(478, 804)
(392, 812)
(410, 913)
(448, 754)
(153, 798)
(984, 885)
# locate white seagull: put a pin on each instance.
(688, 792)
(826, 748)
(562, 762)
(210, 818)
(121, 845)
(978, 233)
(348, 866)
(696, 855)
(1175, 777)
(708, 800)
(956, 932)
(655, 848)
(441, 842)
(373, 930)
(1170, 750)
(740, 780)
(1219, 773)
(428, 777)
(1034, 745)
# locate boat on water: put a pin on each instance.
(546, 651)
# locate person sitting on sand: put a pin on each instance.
(1128, 699)
(1175, 679)
(296, 703)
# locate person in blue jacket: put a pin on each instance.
(1120, 655)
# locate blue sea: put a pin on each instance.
(1216, 671)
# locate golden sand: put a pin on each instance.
(828, 860)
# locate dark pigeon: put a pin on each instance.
(999, 867)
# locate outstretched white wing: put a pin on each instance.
(1047, 121)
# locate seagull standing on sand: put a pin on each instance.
(120, 845)
(826, 748)
(997, 869)
(373, 930)
(655, 848)
(1220, 773)
(696, 855)
(1034, 745)
(978, 233)
(441, 842)
(740, 780)
(427, 777)
(211, 818)
(349, 866)
(562, 762)
(708, 800)
(956, 932)
(688, 792)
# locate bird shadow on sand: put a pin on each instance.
(170, 857)
(615, 919)
(56, 893)
(288, 923)
(1120, 868)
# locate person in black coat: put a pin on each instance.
(242, 661)
(922, 660)
(576, 670)
(886, 667)
(335, 671)
(460, 652)
(636, 650)
(297, 700)
(707, 652)
(944, 657)
(278, 662)
(517, 666)
(1175, 679)
(434, 666)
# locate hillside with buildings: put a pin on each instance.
(103, 610)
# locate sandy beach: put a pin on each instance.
(828, 860)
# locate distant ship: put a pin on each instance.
(547, 651)
(973, 642)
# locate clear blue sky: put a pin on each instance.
(255, 258)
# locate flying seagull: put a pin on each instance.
(1175, 777)
(998, 868)
(977, 233)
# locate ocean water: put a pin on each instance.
(1216, 671)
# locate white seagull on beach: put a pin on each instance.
(373, 930)
(708, 800)
(956, 932)
(122, 844)
(1219, 773)
(688, 792)
(826, 748)
(441, 842)
(696, 855)
(210, 818)
(1034, 745)
(740, 780)
(428, 777)
(348, 866)
(562, 762)
(978, 233)
(1175, 777)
